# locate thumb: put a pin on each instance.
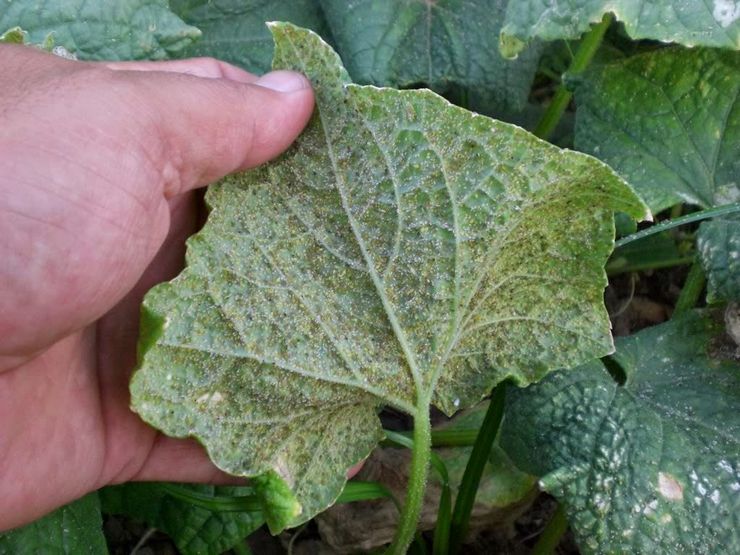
(213, 126)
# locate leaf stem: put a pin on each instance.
(692, 288)
(589, 45)
(474, 469)
(552, 534)
(242, 548)
(418, 473)
(669, 224)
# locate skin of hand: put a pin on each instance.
(99, 166)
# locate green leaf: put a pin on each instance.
(74, 529)
(718, 243)
(502, 483)
(445, 45)
(653, 252)
(650, 467)
(14, 35)
(668, 122)
(121, 30)
(235, 31)
(194, 529)
(687, 22)
(403, 251)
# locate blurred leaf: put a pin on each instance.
(75, 529)
(121, 30)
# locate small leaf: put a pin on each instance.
(403, 252)
(123, 30)
(14, 35)
(718, 243)
(73, 529)
(650, 467)
(440, 44)
(669, 122)
(502, 483)
(195, 530)
(687, 22)
(235, 31)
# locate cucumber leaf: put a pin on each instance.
(194, 529)
(449, 46)
(718, 243)
(74, 529)
(667, 121)
(403, 252)
(235, 31)
(121, 30)
(14, 35)
(653, 466)
(688, 22)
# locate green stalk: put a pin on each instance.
(364, 491)
(552, 534)
(223, 503)
(613, 269)
(446, 438)
(723, 210)
(474, 469)
(589, 45)
(691, 291)
(419, 470)
(444, 512)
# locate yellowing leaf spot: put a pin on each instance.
(669, 487)
(726, 12)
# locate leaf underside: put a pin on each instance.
(121, 30)
(669, 122)
(713, 23)
(650, 467)
(403, 251)
(442, 45)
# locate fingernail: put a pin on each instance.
(283, 81)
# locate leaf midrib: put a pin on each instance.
(422, 395)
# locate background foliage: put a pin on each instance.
(660, 468)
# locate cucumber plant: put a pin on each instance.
(409, 253)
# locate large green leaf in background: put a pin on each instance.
(75, 529)
(235, 31)
(120, 30)
(404, 251)
(668, 122)
(688, 22)
(650, 467)
(718, 243)
(440, 45)
(194, 529)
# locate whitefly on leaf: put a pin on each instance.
(403, 252)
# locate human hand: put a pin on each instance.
(98, 163)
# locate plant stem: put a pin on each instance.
(418, 472)
(444, 512)
(446, 438)
(552, 534)
(589, 45)
(692, 288)
(723, 210)
(474, 469)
